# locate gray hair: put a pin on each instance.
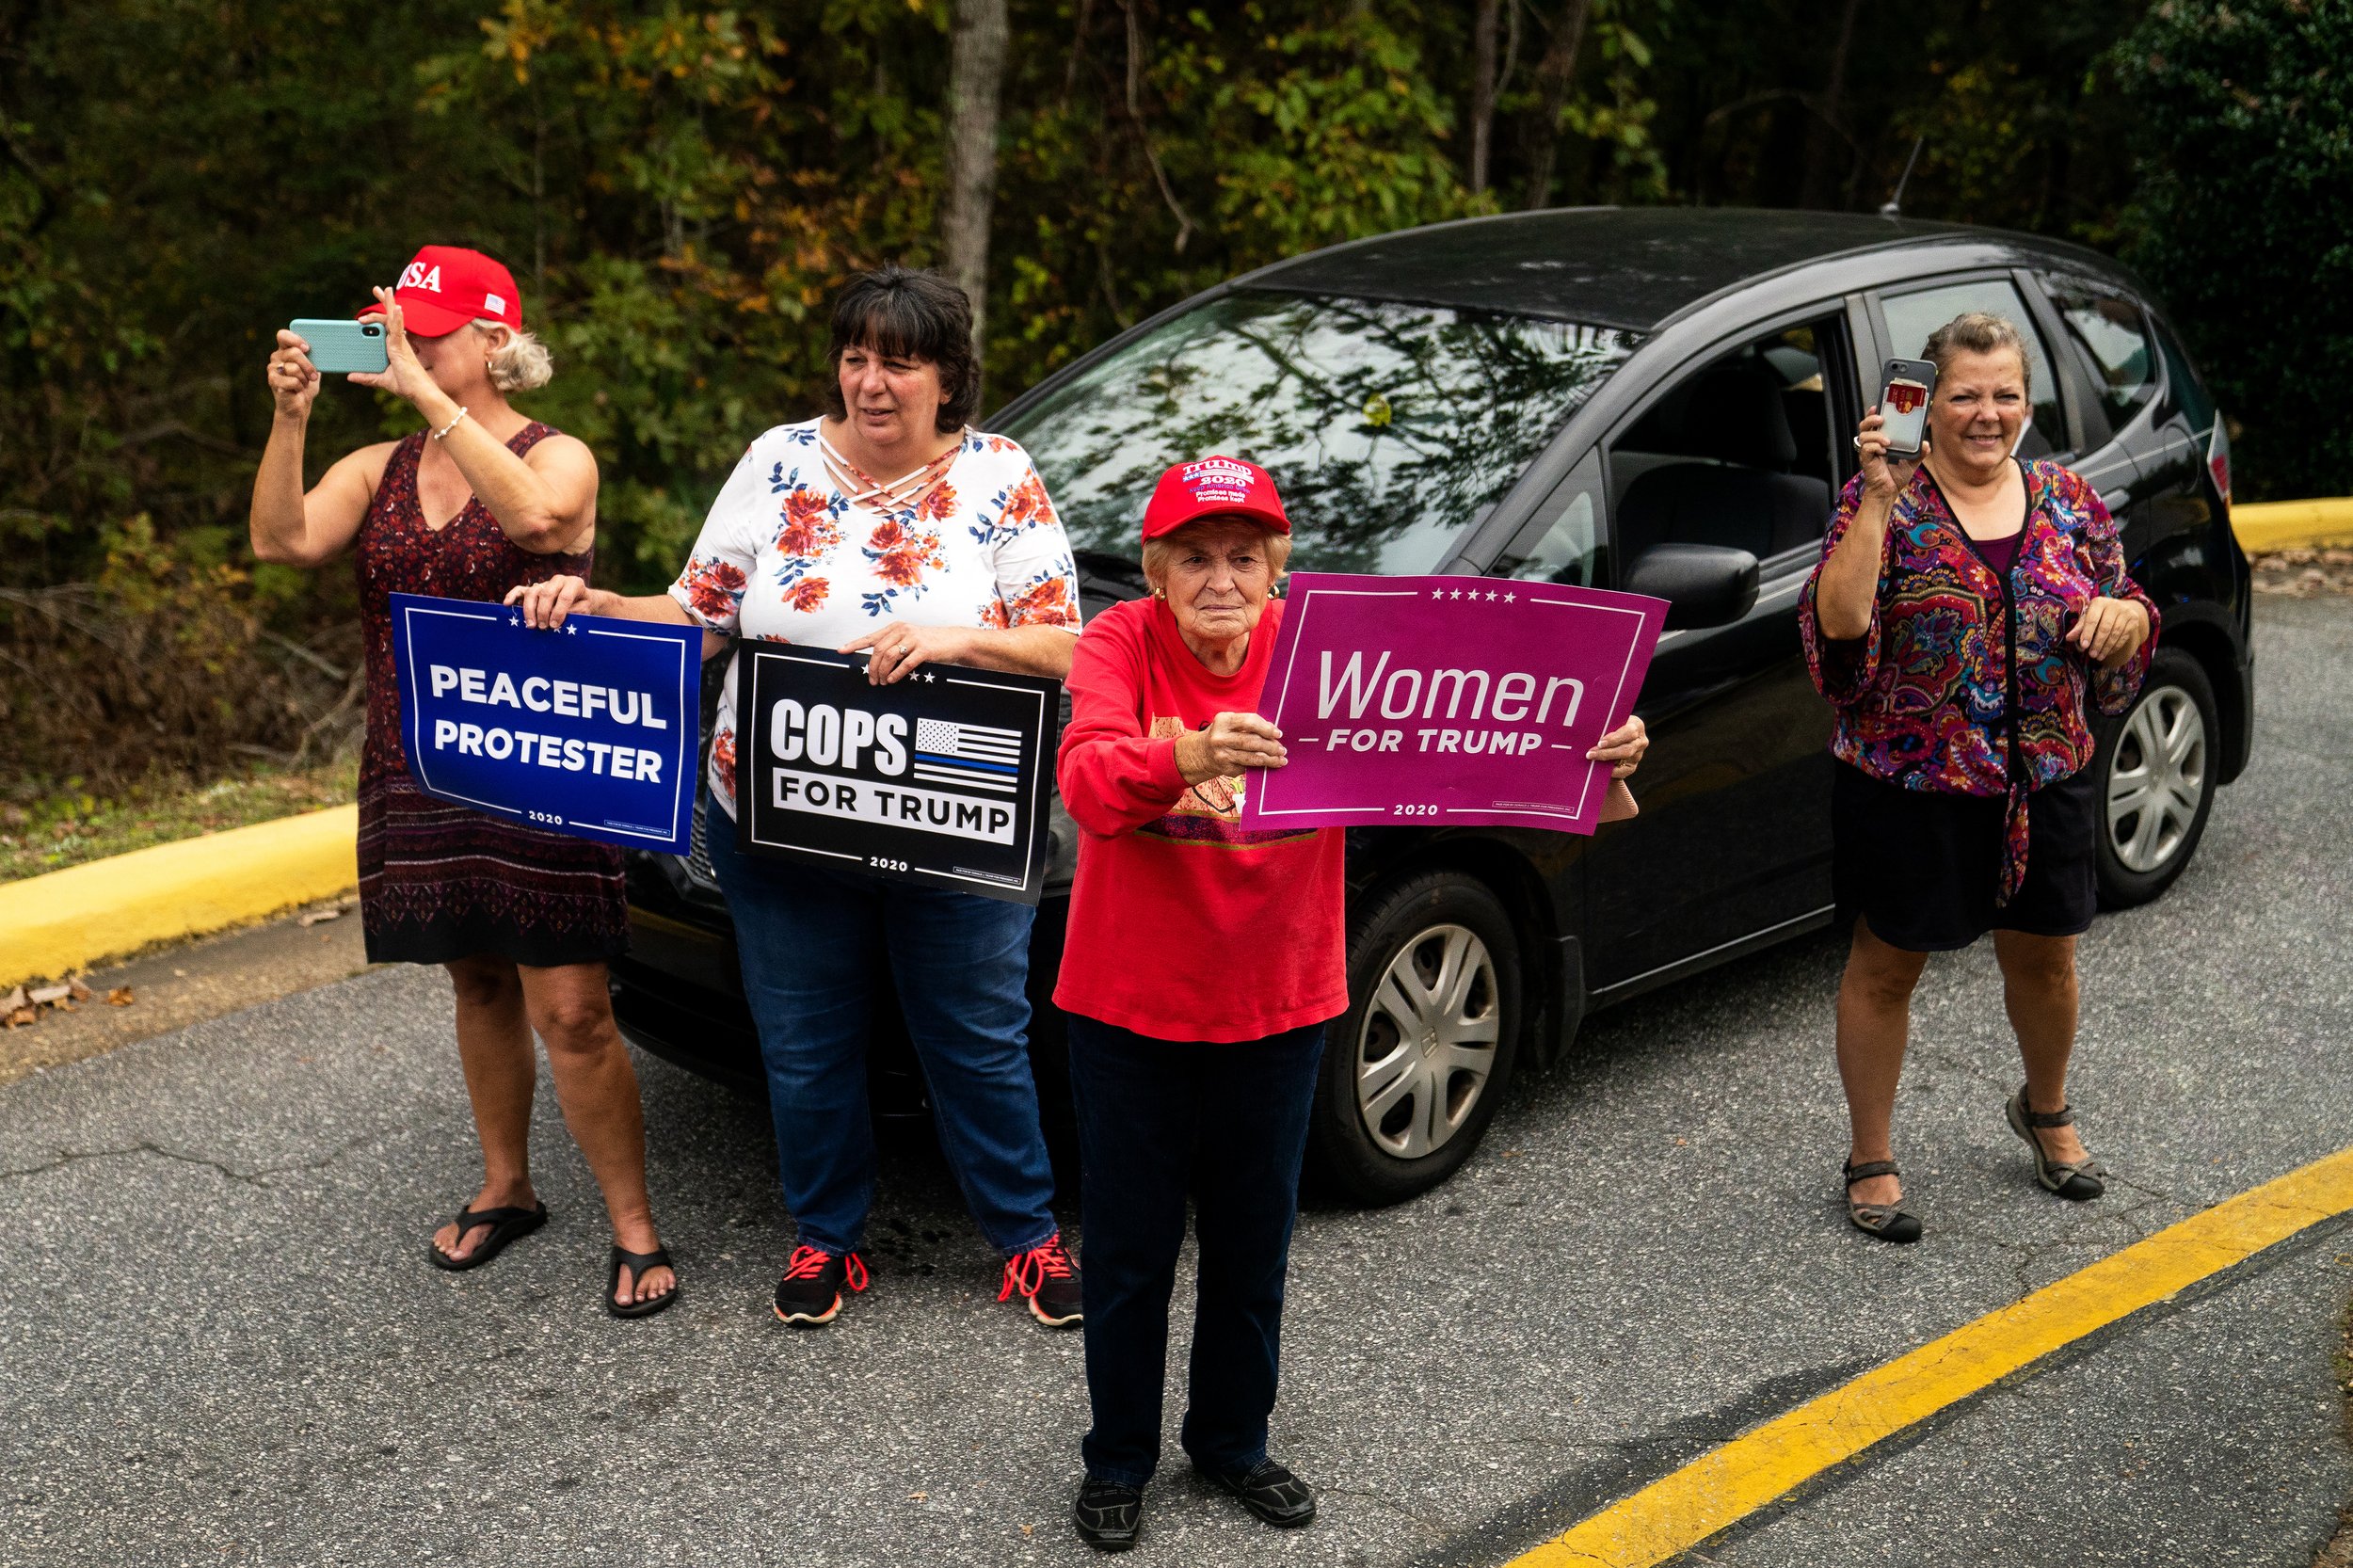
(521, 364)
(1156, 552)
(1979, 332)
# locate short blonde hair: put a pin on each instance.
(1980, 333)
(1156, 552)
(522, 365)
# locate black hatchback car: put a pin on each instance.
(1657, 399)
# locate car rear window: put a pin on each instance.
(2110, 339)
(1390, 427)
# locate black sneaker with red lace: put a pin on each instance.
(1047, 1276)
(810, 1294)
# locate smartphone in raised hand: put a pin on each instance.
(342, 346)
(1905, 389)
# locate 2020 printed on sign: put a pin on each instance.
(1448, 699)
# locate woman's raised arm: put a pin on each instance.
(287, 526)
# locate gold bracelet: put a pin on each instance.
(452, 424)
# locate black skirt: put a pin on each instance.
(1924, 868)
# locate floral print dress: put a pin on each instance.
(801, 549)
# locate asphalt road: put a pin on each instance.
(222, 1344)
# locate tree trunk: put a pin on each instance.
(976, 77)
(1823, 136)
(1483, 86)
(1554, 72)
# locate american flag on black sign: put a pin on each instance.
(970, 756)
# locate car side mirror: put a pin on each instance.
(1703, 584)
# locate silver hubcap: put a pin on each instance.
(2156, 779)
(1428, 1046)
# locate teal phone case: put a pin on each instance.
(342, 347)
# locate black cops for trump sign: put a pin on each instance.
(938, 778)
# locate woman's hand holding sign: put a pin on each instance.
(1232, 742)
(1622, 749)
(898, 650)
(546, 604)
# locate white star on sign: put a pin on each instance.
(1508, 598)
(1491, 594)
(1458, 593)
(569, 629)
(1437, 593)
(513, 620)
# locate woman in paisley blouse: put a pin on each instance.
(523, 920)
(959, 559)
(1970, 611)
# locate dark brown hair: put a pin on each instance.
(903, 315)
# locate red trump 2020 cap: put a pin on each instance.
(445, 287)
(1213, 486)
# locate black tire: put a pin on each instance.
(1358, 1156)
(2141, 868)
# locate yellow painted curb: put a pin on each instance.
(2263, 525)
(1679, 1511)
(61, 921)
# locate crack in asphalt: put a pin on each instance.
(251, 1179)
(1436, 1533)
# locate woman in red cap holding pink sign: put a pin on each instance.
(1204, 961)
(484, 499)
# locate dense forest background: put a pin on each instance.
(680, 188)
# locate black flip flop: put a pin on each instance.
(506, 1225)
(637, 1263)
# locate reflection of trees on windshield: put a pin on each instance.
(1389, 427)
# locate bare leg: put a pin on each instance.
(1874, 1026)
(597, 1089)
(494, 1047)
(2040, 991)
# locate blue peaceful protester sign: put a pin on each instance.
(590, 731)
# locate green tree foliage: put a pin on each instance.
(2245, 217)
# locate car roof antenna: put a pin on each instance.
(1895, 207)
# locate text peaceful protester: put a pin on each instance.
(589, 731)
(1447, 698)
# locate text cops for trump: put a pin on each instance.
(823, 735)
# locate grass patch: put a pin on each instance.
(68, 827)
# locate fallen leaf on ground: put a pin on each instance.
(13, 1000)
(312, 917)
(22, 1017)
(42, 995)
(120, 997)
(76, 989)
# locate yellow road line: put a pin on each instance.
(1679, 1511)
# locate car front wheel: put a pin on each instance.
(1412, 1071)
(2157, 781)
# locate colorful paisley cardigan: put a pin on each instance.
(1929, 698)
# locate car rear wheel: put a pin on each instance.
(1412, 1071)
(2157, 781)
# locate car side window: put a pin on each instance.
(1562, 542)
(1911, 317)
(2109, 337)
(1739, 453)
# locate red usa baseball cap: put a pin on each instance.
(1213, 486)
(445, 287)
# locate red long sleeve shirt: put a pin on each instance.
(1183, 925)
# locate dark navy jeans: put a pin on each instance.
(1160, 1121)
(812, 939)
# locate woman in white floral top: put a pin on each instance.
(958, 560)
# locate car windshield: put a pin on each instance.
(1390, 428)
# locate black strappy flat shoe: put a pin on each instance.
(2075, 1180)
(637, 1263)
(1882, 1220)
(506, 1225)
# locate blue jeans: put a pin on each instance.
(1228, 1124)
(810, 939)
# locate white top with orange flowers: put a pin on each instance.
(787, 554)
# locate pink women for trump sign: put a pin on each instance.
(1446, 699)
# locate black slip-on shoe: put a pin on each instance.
(1271, 1493)
(1107, 1516)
